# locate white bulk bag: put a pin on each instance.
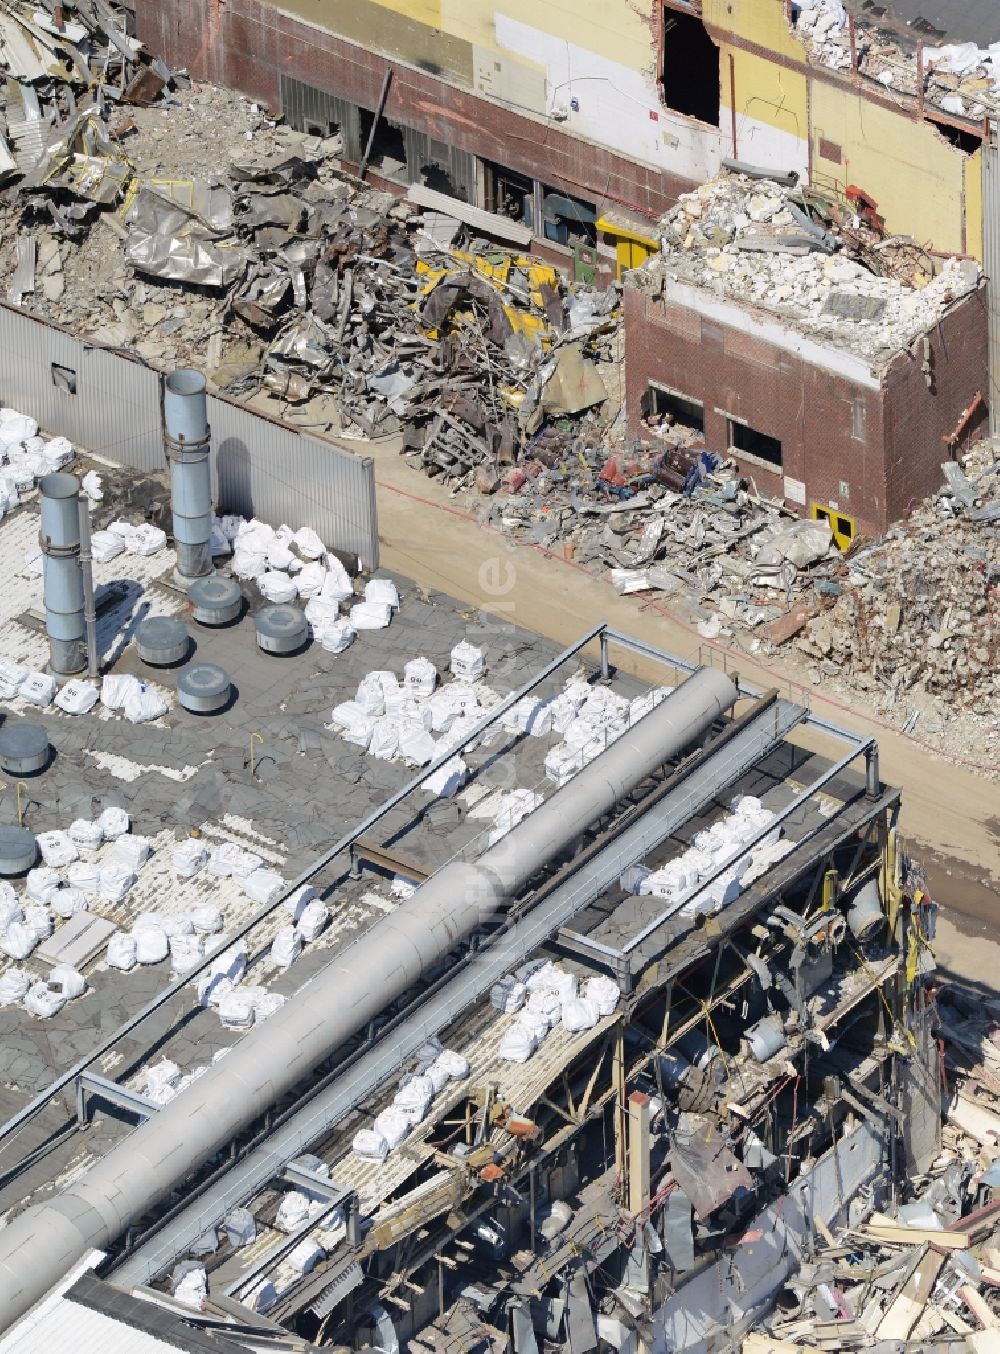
(306, 1256)
(186, 953)
(392, 1125)
(43, 1002)
(453, 1063)
(508, 995)
(86, 835)
(13, 986)
(84, 875)
(313, 919)
(292, 1212)
(467, 662)
(370, 695)
(67, 901)
(10, 905)
(57, 849)
(603, 993)
(76, 697)
(309, 581)
(517, 1044)
(547, 1005)
(447, 780)
(69, 981)
(382, 592)
(115, 690)
(121, 952)
(106, 546)
(334, 636)
(415, 1094)
(132, 851)
(42, 883)
(237, 1010)
(286, 946)
(277, 587)
(39, 922)
(369, 1145)
(144, 704)
(384, 742)
(114, 823)
(298, 900)
(240, 1227)
(420, 677)
(188, 857)
(279, 557)
(308, 543)
(147, 540)
(191, 1289)
(579, 1014)
(151, 945)
(11, 677)
(337, 585)
(263, 886)
(267, 1005)
(206, 919)
(114, 882)
(18, 940)
(369, 616)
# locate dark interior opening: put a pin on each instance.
(967, 142)
(660, 408)
(510, 194)
(690, 77)
(441, 181)
(388, 155)
(744, 438)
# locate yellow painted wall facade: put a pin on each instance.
(914, 174)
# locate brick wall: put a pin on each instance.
(918, 419)
(245, 44)
(884, 446)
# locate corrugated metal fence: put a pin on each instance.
(991, 265)
(108, 403)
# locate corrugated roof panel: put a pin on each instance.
(70, 1326)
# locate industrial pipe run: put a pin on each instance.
(188, 438)
(62, 577)
(38, 1247)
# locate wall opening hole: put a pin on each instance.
(388, 156)
(967, 142)
(64, 379)
(750, 442)
(690, 76)
(661, 409)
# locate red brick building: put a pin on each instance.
(809, 422)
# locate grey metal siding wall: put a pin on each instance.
(273, 472)
(261, 468)
(991, 265)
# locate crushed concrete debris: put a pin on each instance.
(820, 264)
(959, 79)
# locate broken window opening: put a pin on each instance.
(64, 379)
(509, 194)
(440, 180)
(661, 408)
(568, 220)
(750, 442)
(967, 142)
(388, 153)
(690, 77)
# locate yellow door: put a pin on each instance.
(842, 526)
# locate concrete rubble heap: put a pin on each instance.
(806, 260)
(918, 611)
(959, 78)
(283, 274)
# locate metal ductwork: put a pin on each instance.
(38, 1247)
(59, 538)
(188, 438)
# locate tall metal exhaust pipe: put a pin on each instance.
(89, 601)
(188, 440)
(59, 538)
(39, 1245)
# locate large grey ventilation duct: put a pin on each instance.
(59, 538)
(38, 1247)
(185, 418)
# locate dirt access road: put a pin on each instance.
(951, 815)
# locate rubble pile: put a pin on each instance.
(920, 610)
(928, 1276)
(962, 78)
(808, 261)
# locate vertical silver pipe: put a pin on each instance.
(59, 539)
(185, 418)
(89, 604)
